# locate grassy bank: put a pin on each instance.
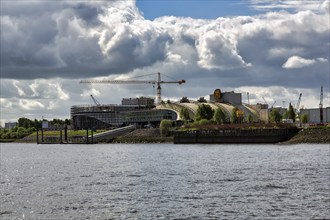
(313, 135)
(143, 136)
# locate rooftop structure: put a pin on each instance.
(144, 101)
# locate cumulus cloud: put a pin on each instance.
(313, 5)
(28, 104)
(90, 39)
(299, 62)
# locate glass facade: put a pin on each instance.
(105, 116)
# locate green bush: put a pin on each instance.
(204, 122)
(304, 118)
(17, 132)
(165, 126)
(219, 116)
(184, 114)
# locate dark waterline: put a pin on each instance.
(164, 181)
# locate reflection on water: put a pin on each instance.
(164, 181)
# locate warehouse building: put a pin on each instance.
(313, 115)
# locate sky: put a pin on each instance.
(272, 49)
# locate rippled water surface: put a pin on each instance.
(164, 181)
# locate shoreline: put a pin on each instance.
(314, 135)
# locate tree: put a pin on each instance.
(290, 113)
(67, 121)
(25, 123)
(36, 124)
(57, 121)
(219, 117)
(275, 116)
(184, 114)
(233, 115)
(165, 126)
(204, 112)
(250, 119)
(304, 118)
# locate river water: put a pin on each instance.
(164, 181)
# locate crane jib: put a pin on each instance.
(158, 82)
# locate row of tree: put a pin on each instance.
(27, 126)
(206, 112)
(236, 116)
(28, 123)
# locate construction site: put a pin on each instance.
(144, 112)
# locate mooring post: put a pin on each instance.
(61, 137)
(92, 136)
(42, 135)
(66, 133)
(87, 136)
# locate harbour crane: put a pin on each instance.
(95, 100)
(273, 104)
(158, 82)
(298, 103)
(265, 100)
(321, 105)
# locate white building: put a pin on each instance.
(314, 115)
(11, 125)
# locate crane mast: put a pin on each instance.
(321, 105)
(298, 103)
(158, 82)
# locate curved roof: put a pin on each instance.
(226, 107)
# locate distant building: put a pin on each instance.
(11, 125)
(314, 115)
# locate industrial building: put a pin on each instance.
(313, 115)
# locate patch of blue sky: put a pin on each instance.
(204, 9)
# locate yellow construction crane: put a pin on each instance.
(158, 82)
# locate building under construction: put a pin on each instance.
(136, 111)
